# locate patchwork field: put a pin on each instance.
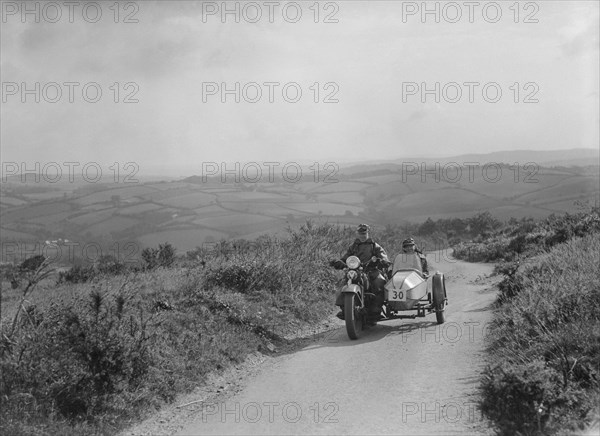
(189, 212)
(262, 208)
(235, 222)
(112, 224)
(188, 201)
(124, 193)
(11, 201)
(330, 209)
(139, 208)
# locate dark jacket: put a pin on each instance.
(365, 251)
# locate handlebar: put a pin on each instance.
(340, 264)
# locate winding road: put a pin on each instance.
(401, 377)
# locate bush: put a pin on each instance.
(512, 283)
(545, 341)
(77, 274)
(529, 399)
(76, 358)
(163, 256)
(246, 277)
(109, 265)
(526, 238)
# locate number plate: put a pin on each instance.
(396, 295)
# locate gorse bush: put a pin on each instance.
(526, 238)
(109, 265)
(106, 265)
(545, 340)
(77, 274)
(163, 256)
(246, 276)
(75, 358)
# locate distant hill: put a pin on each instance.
(547, 158)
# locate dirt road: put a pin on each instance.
(402, 377)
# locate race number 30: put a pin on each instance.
(397, 295)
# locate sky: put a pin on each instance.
(361, 70)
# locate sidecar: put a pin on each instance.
(409, 289)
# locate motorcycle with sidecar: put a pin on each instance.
(407, 289)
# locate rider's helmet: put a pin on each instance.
(362, 229)
(409, 242)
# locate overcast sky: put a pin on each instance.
(368, 57)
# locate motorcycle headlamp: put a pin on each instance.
(353, 262)
(352, 274)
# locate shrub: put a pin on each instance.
(512, 283)
(526, 237)
(246, 277)
(109, 265)
(75, 358)
(545, 341)
(163, 256)
(529, 399)
(77, 274)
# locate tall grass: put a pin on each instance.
(545, 340)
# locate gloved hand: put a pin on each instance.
(337, 264)
(379, 263)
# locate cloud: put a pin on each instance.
(368, 54)
(581, 35)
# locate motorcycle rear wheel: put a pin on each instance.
(354, 322)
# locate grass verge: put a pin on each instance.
(545, 342)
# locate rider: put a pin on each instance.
(368, 250)
(409, 246)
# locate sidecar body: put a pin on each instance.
(405, 289)
(409, 289)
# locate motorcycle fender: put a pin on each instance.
(355, 289)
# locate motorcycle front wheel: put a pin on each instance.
(354, 322)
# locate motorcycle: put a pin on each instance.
(355, 298)
(407, 289)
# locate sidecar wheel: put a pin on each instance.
(439, 297)
(351, 316)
